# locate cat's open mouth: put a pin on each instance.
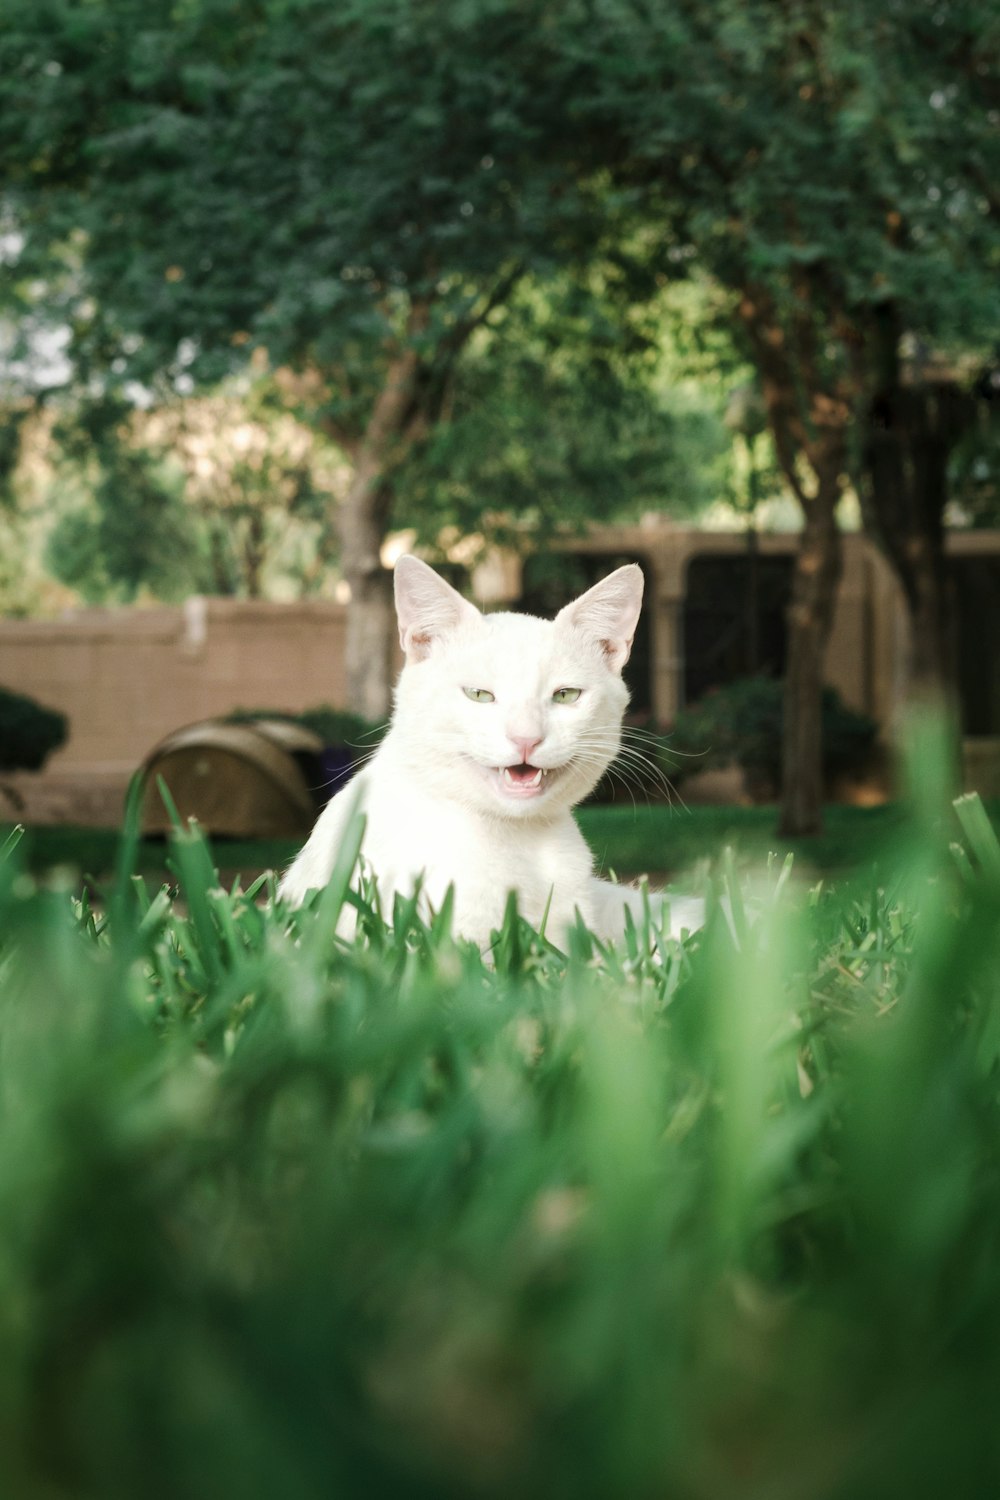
(524, 780)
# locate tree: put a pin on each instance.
(923, 413)
(120, 525)
(223, 493)
(355, 189)
(256, 484)
(30, 732)
(822, 163)
(579, 408)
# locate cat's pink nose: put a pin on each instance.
(526, 747)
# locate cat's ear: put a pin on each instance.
(609, 613)
(427, 608)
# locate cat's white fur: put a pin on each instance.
(438, 805)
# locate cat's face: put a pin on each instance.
(514, 715)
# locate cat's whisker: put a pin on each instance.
(667, 789)
(625, 776)
(614, 777)
(663, 744)
(647, 762)
(642, 754)
(642, 764)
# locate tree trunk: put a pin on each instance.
(810, 410)
(370, 614)
(222, 580)
(904, 491)
(810, 615)
(362, 522)
(253, 553)
(409, 404)
(932, 622)
(752, 615)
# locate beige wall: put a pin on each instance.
(126, 677)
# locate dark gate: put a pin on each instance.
(734, 619)
(976, 584)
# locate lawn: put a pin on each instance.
(666, 840)
(673, 838)
(93, 851)
(285, 1214)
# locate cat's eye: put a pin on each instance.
(479, 695)
(566, 695)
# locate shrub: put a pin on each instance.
(348, 741)
(28, 732)
(334, 726)
(742, 724)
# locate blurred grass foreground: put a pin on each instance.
(286, 1216)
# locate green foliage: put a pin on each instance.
(28, 732)
(677, 839)
(802, 151)
(258, 487)
(742, 722)
(281, 1212)
(421, 141)
(121, 527)
(337, 726)
(572, 410)
(348, 741)
(826, 163)
(224, 494)
(12, 420)
(640, 837)
(771, 144)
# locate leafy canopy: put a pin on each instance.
(318, 180)
(858, 143)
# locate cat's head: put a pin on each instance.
(509, 713)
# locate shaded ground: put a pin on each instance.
(91, 852)
(672, 839)
(657, 840)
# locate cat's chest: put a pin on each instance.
(450, 845)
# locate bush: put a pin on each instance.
(337, 727)
(348, 741)
(742, 724)
(28, 732)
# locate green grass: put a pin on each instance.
(93, 851)
(626, 839)
(287, 1214)
(672, 839)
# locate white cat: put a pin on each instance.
(502, 724)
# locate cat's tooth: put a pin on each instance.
(508, 778)
(535, 780)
